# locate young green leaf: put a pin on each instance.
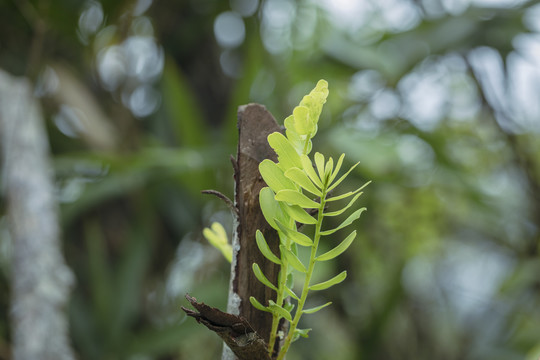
(293, 259)
(333, 281)
(310, 171)
(343, 196)
(274, 177)
(288, 306)
(315, 309)
(294, 249)
(289, 125)
(315, 99)
(290, 280)
(300, 177)
(265, 249)
(342, 177)
(337, 168)
(328, 168)
(279, 310)
(260, 276)
(287, 155)
(300, 215)
(295, 140)
(291, 294)
(338, 250)
(348, 221)
(270, 207)
(294, 235)
(296, 198)
(307, 147)
(256, 304)
(339, 212)
(217, 236)
(319, 161)
(302, 124)
(302, 332)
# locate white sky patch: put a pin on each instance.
(525, 91)
(399, 15)
(348, 15)
(471, 275)
(278, 17)
(489, 65)
(498, 3)
(425, 95)
(385, 105)
(229, 29)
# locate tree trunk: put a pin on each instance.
(40, 278)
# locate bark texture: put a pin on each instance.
(40, 278)
(255, 123)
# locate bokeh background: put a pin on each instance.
(438, 99)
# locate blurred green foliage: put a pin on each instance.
(437, 99)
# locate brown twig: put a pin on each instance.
(225, 199)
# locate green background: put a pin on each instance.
(438, 100)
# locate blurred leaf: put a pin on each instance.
(157, 340)
(131, 273)
(101, 277)
(253, 57)
(181, 104)
(217, 237)
(129, 173)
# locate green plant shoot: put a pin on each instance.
(299, 186)
(217, 237)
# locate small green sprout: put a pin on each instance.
(217, 236)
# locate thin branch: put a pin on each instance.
(225, 199)
(521, 156)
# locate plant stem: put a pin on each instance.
(283, 280)
(305, 289)
(279, 300)
(308, 137)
